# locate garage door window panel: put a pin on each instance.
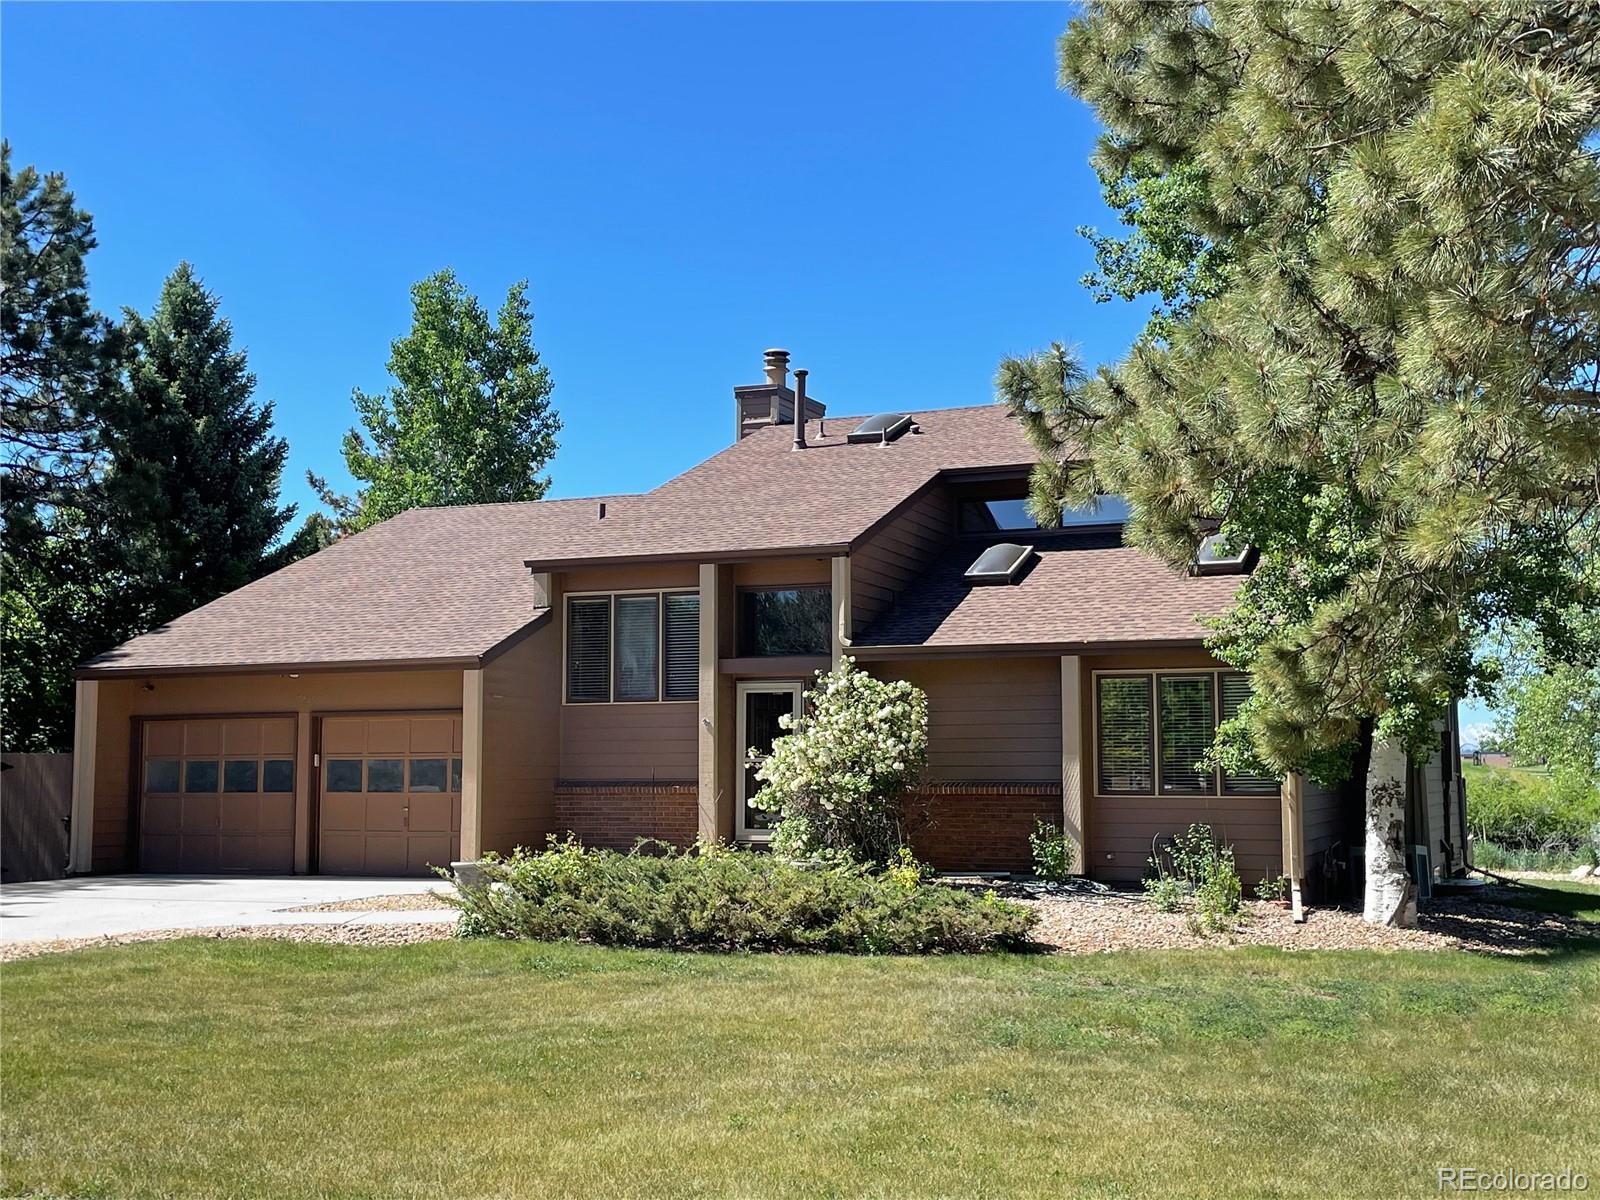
(277, 775)
(386, 775)
(240, 775)
(199, 775)
(161, 775)
(427, 775)
(344, 775)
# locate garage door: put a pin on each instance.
(391, 794)
(217, 795)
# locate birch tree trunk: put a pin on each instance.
(1391, 898)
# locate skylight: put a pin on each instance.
(1004, 563)
(1217, 557)
(884, 427)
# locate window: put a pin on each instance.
(1152, 728)
(277, 775)
(427, 775)
(239, 775)
(1187, 721)
(637, 647)
(1234, 689)
(778, 621)
(633, 647)
(161, 775)
(995, 516)
(1124, 722)
(589, 649)
(680, 631)
(199, 776)
(344, 774)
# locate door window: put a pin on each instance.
(760, 706)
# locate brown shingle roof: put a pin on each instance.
(1080, 592)
(441, 585)
(760, 495)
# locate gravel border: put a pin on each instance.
(404, 902)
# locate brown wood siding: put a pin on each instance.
(195, 695)
(521, 742)
(895, 555)
(989, 720)
(630, 743)
(782, 572)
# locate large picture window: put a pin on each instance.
(633, 647)
(1152, 728)
(785, 620)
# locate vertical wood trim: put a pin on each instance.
(471, 765)
(1072, 761)
(708, 724)
(85, 737)
(1293, 822)
(306, 772)
(842, 631)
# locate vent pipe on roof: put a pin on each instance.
(602, 510)
(800, 408)
(777, 367)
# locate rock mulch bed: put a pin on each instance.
(343, 935)
(1098, 922)
(405, 902)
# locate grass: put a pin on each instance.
(1565, 897)
(270, 1069)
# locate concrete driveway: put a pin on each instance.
(101, 905)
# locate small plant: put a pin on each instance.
(1272, 888)
(1203, 870)
(906, 871)
(1165, 892)
(1053, 854)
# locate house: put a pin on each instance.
(458, 680)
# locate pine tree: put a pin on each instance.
(59, 364)
(194, 467)
(469, 420)
(1386, 377)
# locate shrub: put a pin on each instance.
(1053, 854)
(1521, 812)
(838, 778)
(1203, 870)
(722, 899)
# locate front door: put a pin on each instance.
(760, 706)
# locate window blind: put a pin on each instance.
(638, 650)
(1235, 690)
(681, 633)
(1124, 723)
(1187, 725)
(589, 649)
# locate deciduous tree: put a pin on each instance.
(468, 421)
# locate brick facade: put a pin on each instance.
(979, 826)
(613, 816)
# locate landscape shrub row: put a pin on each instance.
(715, 898)
(1553, 817)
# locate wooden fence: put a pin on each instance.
(35, 801)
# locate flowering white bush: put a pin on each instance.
(838, 778)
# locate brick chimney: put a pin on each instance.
(770, 403)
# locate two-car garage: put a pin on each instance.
(218, 793)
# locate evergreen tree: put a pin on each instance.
(59, 364)
(194, 467)
(468, 421)
(58, 356)
(1382, 374)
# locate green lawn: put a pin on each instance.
(239, 1069)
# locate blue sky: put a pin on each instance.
(890, 191)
